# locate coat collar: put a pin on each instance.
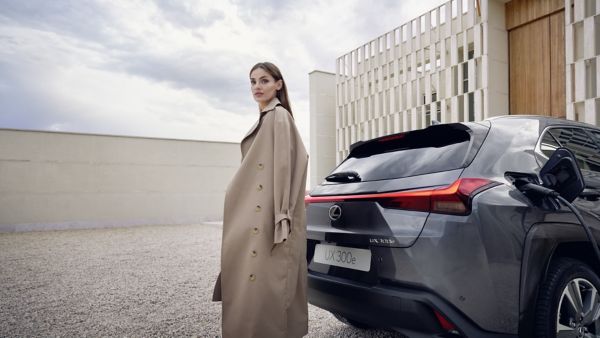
(270, 106)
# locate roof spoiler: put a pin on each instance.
(356, 144)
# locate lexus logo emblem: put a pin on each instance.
(335, 212)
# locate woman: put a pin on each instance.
(263, 256)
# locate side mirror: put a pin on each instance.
(561, 174)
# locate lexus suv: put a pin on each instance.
(426, 233)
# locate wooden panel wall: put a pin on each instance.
(536, 33)
(519, 12)
(530, 68)
(557, 65)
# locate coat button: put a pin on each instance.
(254, 253)
(259, 187)
(257, 209)
(255, 230)
(260, 166)
(252, 277)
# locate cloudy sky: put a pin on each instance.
(171, 68)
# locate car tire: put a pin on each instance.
(558, 311)
(351, 322)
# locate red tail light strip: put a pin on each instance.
(453, 199)
(444, 323)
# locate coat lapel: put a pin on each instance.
(251, 130)
(272, 104)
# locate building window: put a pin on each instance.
(438, 105)
(442, 14)
(471, 107)
(454, 9)
(590, 78)
(414, 28)
(465, 76)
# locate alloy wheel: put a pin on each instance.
(578, 313)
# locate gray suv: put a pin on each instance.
(427, 234)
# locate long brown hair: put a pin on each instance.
(282, 94)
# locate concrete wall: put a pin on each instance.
(51, 180)
(495, 70)
(322, 125)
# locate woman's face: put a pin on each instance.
(264, 87)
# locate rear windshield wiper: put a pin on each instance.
(343, 176)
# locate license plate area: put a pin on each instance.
(345, 257)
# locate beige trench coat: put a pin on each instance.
(263, 257)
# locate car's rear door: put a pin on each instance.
(372, 198)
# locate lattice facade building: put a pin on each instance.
(466, 60)
(435, 67)
(582, 37)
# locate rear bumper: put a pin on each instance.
(403, 309)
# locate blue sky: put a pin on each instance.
(173, 69)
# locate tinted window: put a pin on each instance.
(579, 142)
(593, 178)
(596, 135)
(437, 148)
(585, 148)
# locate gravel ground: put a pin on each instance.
(134, 282)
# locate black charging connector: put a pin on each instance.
(529, 189)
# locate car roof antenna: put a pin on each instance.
(434, 122)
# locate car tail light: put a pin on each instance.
(454, 199)
(445, 323)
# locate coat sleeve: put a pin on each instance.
(283, 149)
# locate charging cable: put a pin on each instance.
(529, 188)
(585, 227)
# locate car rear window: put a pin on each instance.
(434, 149)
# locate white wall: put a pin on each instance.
(322, 125)
(51, 180)
(582, 43)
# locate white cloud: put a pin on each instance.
(176, 69)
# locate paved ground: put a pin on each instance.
(135, 282)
